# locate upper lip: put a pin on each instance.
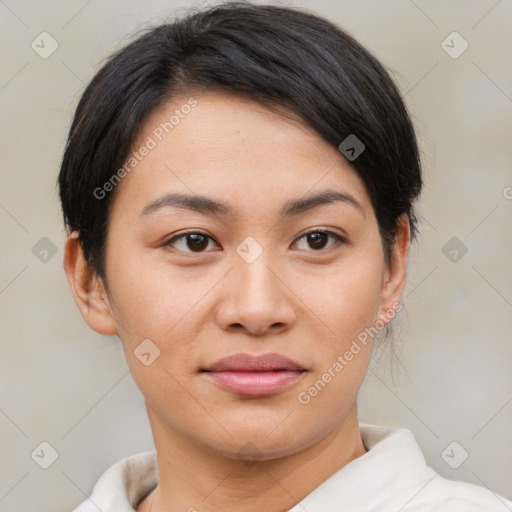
(249, 363)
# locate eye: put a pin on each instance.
(318, 239)
(195, 241)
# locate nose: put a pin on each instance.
(256, 298)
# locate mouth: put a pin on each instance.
(254, 376)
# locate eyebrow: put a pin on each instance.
(208, 205)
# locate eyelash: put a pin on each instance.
(339, 239)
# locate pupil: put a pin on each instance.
(198, 242)
(316, 238)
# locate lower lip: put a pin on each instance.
(255, 383)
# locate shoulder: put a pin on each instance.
(408, 481)
(447, 495)
(122, 485)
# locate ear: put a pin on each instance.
(394, 278)
(88, 288)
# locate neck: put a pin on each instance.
(192, 478)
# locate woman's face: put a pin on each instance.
(248, 281)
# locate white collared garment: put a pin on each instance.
(392, 476)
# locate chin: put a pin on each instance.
(265, 440)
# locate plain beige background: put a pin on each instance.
(65, 385)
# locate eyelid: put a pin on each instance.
(183, 234)
(324, 230)
(340, 239)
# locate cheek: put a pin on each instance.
(155, 312)
(345, 299)
(161, 310)
(150, 301)
(347, 304)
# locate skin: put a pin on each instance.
(307, 302)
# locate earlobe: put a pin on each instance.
(394, 284)
(87, 288)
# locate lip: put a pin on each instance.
(248, 375)
(249, 363)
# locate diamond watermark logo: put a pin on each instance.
(249, 250)
(351, 147)
(454, 455)
(249, 454)
(146, 352)
(454, 45)
(454, 249)
(44, 455)
(44, 45)
(44, 250)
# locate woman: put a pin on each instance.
(239, 190)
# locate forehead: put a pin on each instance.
(223, 145)
(231, 126)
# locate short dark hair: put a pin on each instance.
(281, 57)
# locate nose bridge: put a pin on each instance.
(255, 297)
(254, 278)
